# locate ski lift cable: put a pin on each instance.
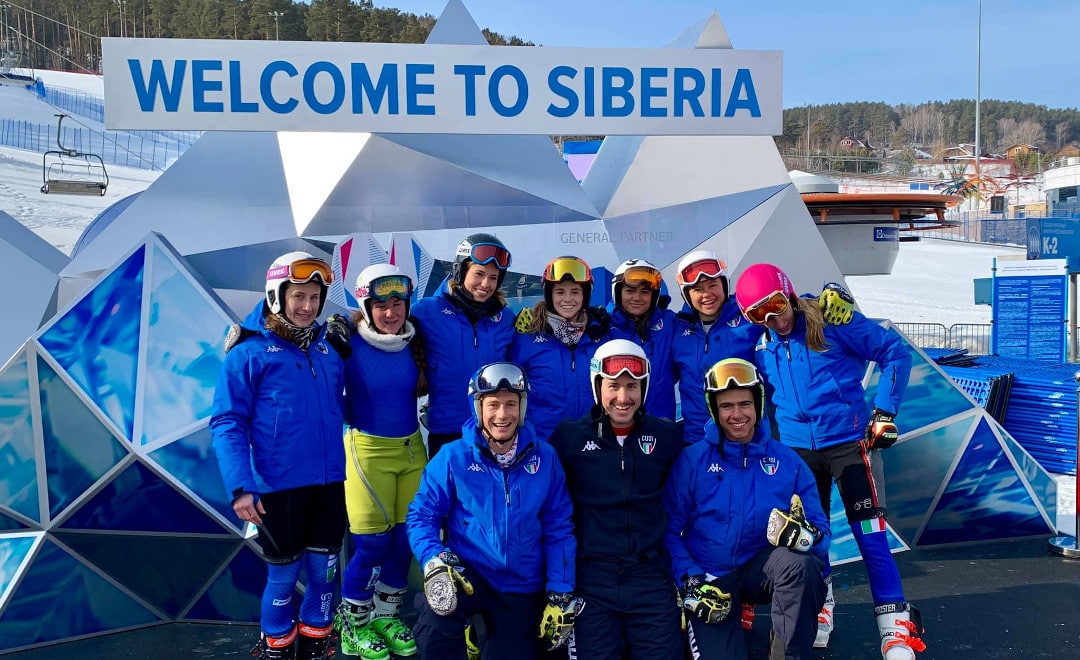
(105, 136)
(49, 18)
(60, 55)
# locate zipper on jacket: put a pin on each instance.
(744, 456)
(573, 358)
(707, 337)
(506, 484)
(475, 339)
(311, 364)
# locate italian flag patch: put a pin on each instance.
(873, 525)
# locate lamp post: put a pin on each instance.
(277, 29)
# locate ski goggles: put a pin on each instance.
(302, 271)
(614, 366)
(707, 268)
(732, 370)
(568, 267)
(774, 305)
(385, 288)
(501, 376)
(638, 276)
(486, 253)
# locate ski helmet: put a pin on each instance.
(379, 283)
(732, 374)
(295, 268)
(496, 376)
(614, 358)
(567, 269)
(480, 249)
(757, 284)
(636, 272)
(698, 265)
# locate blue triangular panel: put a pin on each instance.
(985, 499)
(139, 500)
(60, 597)
(96, 341)
(79, 449)
(919, 466)
(13, 551)
(842, 546)
(236, 594)
(616, 155)
(192, 462)
(185, 349)
(18, 466)
(1042, 484)
(7, 523)
(930, 396)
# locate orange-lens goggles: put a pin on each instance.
(709, 268)
(724, 372)
(774, 305)
(302, 271)
(486, 253)
(615, 365)
(385, 288)
(568, 267)
(637, 276)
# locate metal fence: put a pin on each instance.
(83, 104)
(128, 149)
(975, 337)
(978, 228)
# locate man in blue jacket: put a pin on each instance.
(745, 525)
(276, 425)
(500, 495)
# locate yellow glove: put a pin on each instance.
(790, 529)
(557, 621)
(444, 576)
(523, 321)
(837, 305)
(705, 601)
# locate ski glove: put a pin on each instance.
(338, 334)
(705, 601)
(598, 323)
(523, 321)
(881, 432)
(557, 621)
(790, 529)
(837, 305)
(444, 576)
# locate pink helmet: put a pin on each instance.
(760, 281)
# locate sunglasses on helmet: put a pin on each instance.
(568, 267)
(722, 374)
(302, 271)
(501, 376)
(637, 276)
(707, 268)
(385, 288)
(486, 253)
(773, 305)
(614, 366)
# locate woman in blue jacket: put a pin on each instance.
(465, 325)
(384, 459)
(277, 434)
(813, 372)
(638, 315)
(492, 526)
(559, 343)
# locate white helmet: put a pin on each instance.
(697, 265)
(295, 268)
(616, 357)
(379, 283)
(636, 272)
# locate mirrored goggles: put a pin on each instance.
(638, 276)
(501, 376)
(708, 268)
(304, 270)
(564, 267)
(774, 305)
(385, 288)
(614, 366)
(486, 253)
(725, 372)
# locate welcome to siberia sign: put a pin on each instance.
(187, 84)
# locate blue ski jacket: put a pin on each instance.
(455, 349)
(731, 336)
(660, 401)
(277, 414)
(719, 497)
(819, 398)
(513, 526)
(381, 390)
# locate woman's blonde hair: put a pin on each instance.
(815, 324)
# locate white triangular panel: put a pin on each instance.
(314, 164)
(36, 265)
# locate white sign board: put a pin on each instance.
(197, 84)
(1031, 268)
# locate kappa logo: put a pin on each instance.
(322, 348)
(715, 467)
(273, 349)
(448, 311)
(590, 446)
(475, 467)
(647, 444)
(540, 339)
(533, 466)
(687, 332)
(769, 465)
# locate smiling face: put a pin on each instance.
(737, 414)
(500, 414)
(481, 281)
(567, 298)
(302, 303)
(706, 297)
(620, 398)
(636, 300)
(389, 316)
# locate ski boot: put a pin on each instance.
(314, 643)
(387, 622)
(276, 648)
(901, 631)
(825, 618)
(358, 639)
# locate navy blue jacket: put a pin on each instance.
(278, 413)
(660, 400)
(381, 389)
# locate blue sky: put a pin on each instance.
(898, 51)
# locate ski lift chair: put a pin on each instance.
(70, 172)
